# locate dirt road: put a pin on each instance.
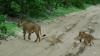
(69, 25)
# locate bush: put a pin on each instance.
(38, 8)
(3, 32)
(78, 3)
(2, 18)
(6, 29)
(94, 2)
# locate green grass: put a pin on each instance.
(87, 5)
(11, 28)
(61, 11)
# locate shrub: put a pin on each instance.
(3, 32)
(2, 18)
(78, 3)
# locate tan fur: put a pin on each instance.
(54, 39)
(30, 27)
(88, 39)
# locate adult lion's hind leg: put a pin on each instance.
(38, 37)
(29, 36)
(24, 33)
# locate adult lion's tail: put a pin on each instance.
(41, 34)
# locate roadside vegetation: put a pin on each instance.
(41, 8)
(6, 28)
(37, 10)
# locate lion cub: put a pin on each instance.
(88, 39)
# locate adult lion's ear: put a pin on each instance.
(18, 22)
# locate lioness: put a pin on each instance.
(30, 27)
(88, 39)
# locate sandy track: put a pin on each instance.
(75, 21)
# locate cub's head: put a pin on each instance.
(81, 33)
